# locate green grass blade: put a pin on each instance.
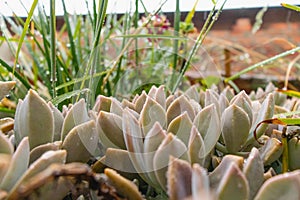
(57, 100)
(26, 26)
(290, 93)
(292, 7)
(262, 63)
(53, 47)
(71, 39)
(16, 74)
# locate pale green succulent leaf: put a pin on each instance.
(152, 141)
(81, 143)
(192, 93)
(35, 120)
(170, 146)
(211, 97)
(119, 160)
(235, 128)
(243, 101)
(254, 172)
(116, 107)
(282, 187)
(266, 112)
(139, 102)
(219, 172)
(40, 165)
(5, 160)
(109, 127)
(208, 123)
(178, 106)
(179, 179)
(18, 165)
(152, 112)
(102, 103)
(294, 152)
(181, 127)
(75, 116)
(38, 151)
(233, 185)
(58, 121)
(228, 93)
(6, 86)
(160, 96)
(271, 151)
(6, 146)
(223, 102)
(134, 137)
(196, 147)
(200, 183)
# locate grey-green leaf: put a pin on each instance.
(81, 142)
(18, 165)
(34, 119)
(235, 128)
(5, 145)
(208, 123)
(152, 112)
(233, 185)
(109, 127)
(281, 187)
(75, 116)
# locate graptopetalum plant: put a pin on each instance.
(187, 145)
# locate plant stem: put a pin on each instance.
(53, 47)
(262, 63)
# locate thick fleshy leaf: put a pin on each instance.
(200, 183)
(6, 87)
(294, 152)
(34, 119)
(41, 164)
(40, 150)
(192, 93)
(179, 106)
(109, 127)
(211, 97)
(254, 172)
(160, 96)
(76, 115)
(170, 146)
(133, 137)
(102, 103)
(228, 93)
(169, 100)
(119, 160)
(127, 104)
(283, 186)
(116, 107)
(208, 123)
(58, 121)
(152, 112)
(179, 179)
(81, 142)
(216, 175)
(152, 141)
(271, 151)
(125, 187)
(196, 147)
(17, 167)
(5, 145)
(266, 112)
(233, 185)
(235, 128)
(5, 160)
(243, 101)
(181, 127)
(223, 102)
(139, 102)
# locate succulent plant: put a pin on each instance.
(184, 144)
(234, 178)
